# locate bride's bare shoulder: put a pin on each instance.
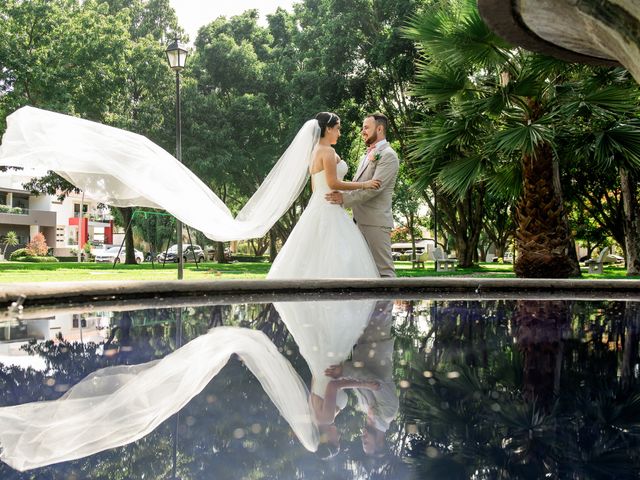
(325, 150)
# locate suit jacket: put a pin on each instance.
(373, 207)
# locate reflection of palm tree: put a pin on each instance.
(541, 327)
(532, 424)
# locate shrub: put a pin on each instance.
(38, 259)
(18, 254)
(37, 247)
(249, 258)
(5, 208)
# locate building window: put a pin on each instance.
(60, 235)
(78, 321)
(3, 198)
(76, 210)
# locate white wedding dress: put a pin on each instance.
(325, 332)
(325, 243)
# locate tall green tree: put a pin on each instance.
(100, 61)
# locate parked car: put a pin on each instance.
(188, 252)
(612, 258)
(609, 258)
(110, 255)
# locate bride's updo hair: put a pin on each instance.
(326, 119)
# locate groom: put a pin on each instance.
(372, 208)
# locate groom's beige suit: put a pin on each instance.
(372, 208)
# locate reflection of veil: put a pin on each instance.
(118, 405)
(325, 332)
(124, 169)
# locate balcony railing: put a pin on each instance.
(14, 210)
(94, 217)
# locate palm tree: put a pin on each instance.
(494, 113)
(10, 240)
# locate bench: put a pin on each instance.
(443, 264)
(420, 260)
(595, 264)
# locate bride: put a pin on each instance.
(124, 169)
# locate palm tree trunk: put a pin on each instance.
(542, 233)
(631, 221)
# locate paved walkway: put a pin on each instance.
(232, 291)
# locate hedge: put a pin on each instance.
(20, 255)
(248, 258)
(35, 259)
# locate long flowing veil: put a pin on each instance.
(118, 405)
(125, 169)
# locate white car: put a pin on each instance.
(110, 255)
(611, 258)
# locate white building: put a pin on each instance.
(74, 327)
(58, 221)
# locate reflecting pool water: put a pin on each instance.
(380, 388)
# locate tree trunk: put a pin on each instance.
(410, 222)
(631, 205)
(220, 258)
(469, 225)
(542, 233)
(127, 215)
(572, 252)
(273, 250)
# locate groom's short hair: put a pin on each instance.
(381, 119)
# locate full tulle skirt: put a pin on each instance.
(325, 243)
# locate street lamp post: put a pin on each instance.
(177, 58)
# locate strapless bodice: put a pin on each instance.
(320, 186)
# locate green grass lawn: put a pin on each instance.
(14, 272)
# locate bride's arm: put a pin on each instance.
(329, 164)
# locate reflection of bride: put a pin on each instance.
(121, 168)
(118, 405)
(325, 332)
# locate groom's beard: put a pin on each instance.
(371, 140)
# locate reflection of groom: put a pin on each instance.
(372, 208)
(372, 364)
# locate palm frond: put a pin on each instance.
(506, 181)
(624, 139)
(455, 35)
(458, 176)
(523, 137)
(439, 85)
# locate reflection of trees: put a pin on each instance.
(526, 395)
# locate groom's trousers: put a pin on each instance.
(379, 241)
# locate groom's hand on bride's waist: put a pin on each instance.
(334, 197)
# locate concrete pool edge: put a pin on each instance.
(77, 292)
